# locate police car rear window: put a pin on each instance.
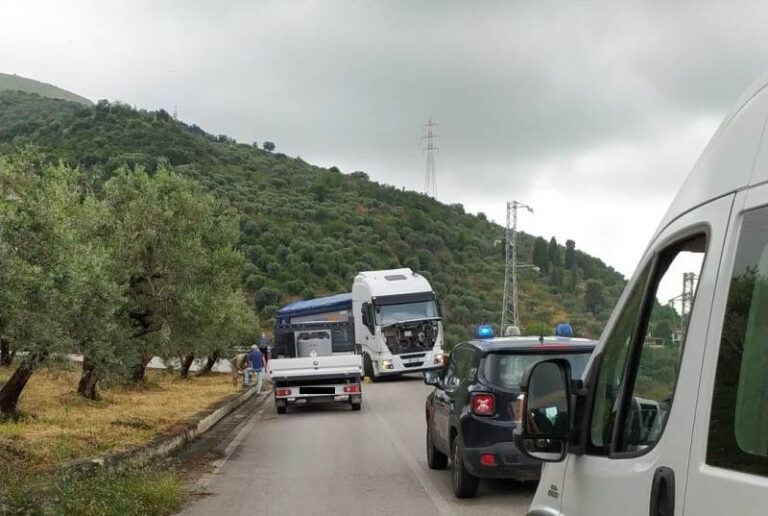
(506, 369)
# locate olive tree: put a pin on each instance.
(52, 279)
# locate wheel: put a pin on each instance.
(356, 406)
(464, 485)
(281, 410)
(368, 367)
(435, 458)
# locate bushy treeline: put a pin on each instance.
(118, 271)
(306, 231)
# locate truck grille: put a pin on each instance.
(413, 355)
(413, 364)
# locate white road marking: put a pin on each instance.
(440, 504)
(247, 426)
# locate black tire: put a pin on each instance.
(282, 410)
(464, 485)
(356, 406)
(435, 458)
(368, 367)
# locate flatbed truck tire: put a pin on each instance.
(282, 410)
(356, 406)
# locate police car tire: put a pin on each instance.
(463, 483)
(435, 458)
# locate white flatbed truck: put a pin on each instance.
(313, 362)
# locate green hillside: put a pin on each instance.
(307, 230)
(14, 82)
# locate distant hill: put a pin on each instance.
(14, 82)
(307, 230)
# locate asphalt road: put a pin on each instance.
(328, 460)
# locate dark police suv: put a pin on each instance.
(471, 412)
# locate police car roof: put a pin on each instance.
(533, 342)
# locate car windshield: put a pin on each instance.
(506, 369)
(388, 314)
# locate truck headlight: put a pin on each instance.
(387, 364)
(439, 359)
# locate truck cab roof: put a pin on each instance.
(391, 282)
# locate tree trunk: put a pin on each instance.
(186, 363)
(89, 380)
(12, 389)
(140, 370)
(6, 355)
(209, 363)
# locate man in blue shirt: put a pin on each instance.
(256, 359)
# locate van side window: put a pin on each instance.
(738, 426)
(638, 372)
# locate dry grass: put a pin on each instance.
(58, 425)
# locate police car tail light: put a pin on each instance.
(483, 404)
(282, 392)
(352, 388)
(488, 459)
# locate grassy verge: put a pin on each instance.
(152, 491)
(56, 426)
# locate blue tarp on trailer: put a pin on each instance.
(316, 306)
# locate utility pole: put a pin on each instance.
(687, 297)
(686, 305)
(430, 139)
(510, 267)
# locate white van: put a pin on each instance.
(675, 428)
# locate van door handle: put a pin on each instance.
(663, 492)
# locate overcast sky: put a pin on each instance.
(592, 114)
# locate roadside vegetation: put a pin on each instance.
(113, 271)
(53, 426)
(151, 490)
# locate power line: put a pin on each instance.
(430, 140)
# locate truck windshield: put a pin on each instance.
(506, 370)
(389, 314)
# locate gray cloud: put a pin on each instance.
(605, 102)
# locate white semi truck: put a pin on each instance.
(398, 324)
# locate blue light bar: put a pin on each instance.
(485, 331)
(564, 330)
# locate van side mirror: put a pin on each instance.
(544, 427)
(432, 377)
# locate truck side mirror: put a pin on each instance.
(544, 427)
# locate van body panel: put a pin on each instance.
(716, 490)
(727, 163)
(599, 484)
